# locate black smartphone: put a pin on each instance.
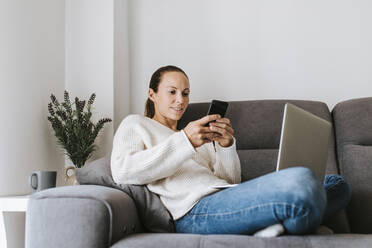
(217, 107)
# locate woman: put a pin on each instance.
(182, 167)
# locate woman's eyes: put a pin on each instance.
(174, 92)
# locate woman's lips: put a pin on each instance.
(178, 110)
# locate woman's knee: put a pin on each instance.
(311, 185)
(306, 188)
(301, 184)
(307, 194)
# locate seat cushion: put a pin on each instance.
(236, 241)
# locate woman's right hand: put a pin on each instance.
(198, 134)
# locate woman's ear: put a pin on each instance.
(151, 94)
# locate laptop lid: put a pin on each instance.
(304, 141)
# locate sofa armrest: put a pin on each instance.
(79, 216)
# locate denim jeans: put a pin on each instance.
(293, 197)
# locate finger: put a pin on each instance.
(206, 140)
(219, 139)
(210, 136)
(203, 129)
(224, 120)
(207, 118)
(224, 142)
(223, 131)
(225, 126)
(220, 124)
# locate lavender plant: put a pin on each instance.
(73, 128)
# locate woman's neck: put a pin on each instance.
(172, 124)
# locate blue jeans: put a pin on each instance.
(293, 197)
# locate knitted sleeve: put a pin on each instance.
(226, 163)
(133, 163)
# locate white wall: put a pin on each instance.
(121, 61)
(245, 49)
(231, 50)
(90, 60)
(31, 68)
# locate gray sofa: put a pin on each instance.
(99, 216)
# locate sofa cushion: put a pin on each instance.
(257, 162)
(353, 127)
(152, 213)
(236, 241)
(357, 170)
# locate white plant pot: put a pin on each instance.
(70, 177)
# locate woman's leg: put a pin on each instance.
(338, 194)
(293, 197)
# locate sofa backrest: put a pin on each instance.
(257, 125)
(353, 128)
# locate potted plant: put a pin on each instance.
(73, 128)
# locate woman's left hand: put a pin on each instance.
(223, 127)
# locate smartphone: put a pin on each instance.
(217, 107)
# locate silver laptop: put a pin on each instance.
(304, 141)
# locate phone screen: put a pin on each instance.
(217, 107)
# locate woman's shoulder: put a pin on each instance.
(137, 125)
(133, 120)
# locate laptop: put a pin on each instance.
(304, 141)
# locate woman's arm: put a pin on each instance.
(226, 163)
(133, 163)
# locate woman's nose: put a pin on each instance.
(179, 98)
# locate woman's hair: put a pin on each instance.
(154, 85)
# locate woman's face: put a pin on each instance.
(172, 97)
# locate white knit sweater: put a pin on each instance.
(147, 152)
